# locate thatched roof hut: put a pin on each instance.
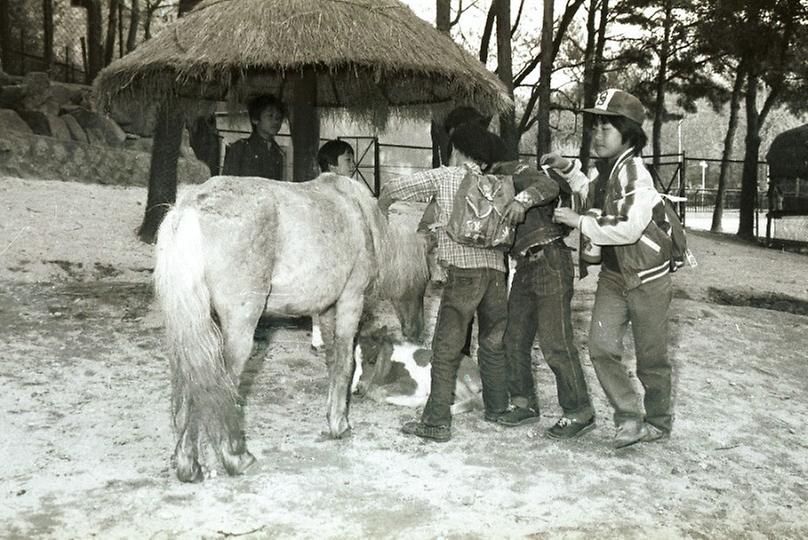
(368, 55)
(788, 154)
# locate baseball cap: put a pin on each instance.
(614, 102)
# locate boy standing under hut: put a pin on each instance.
(634, 285)
(259, 154)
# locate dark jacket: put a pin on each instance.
(538, 227)
(253, 157)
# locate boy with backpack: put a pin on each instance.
(476, 282)
(634, 285)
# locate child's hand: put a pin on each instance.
(555, 161)
(566, 216)
(514, 212)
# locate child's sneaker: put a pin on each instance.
(519, 416)
(436, 433)
(569, 428)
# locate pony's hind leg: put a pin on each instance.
(186, 453)
(238, 323)
(340, 361)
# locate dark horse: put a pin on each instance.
(234, 249)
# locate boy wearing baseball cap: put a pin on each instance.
(634, 284)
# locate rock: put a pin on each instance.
(11, 96)
(5, 78)
(134, 119)
(37, 90)
(68, 94)
(76, 131)
(185, 146)
(37, 121)
(11, 121)
(139, 144)
(96, 136)
(33, 156)
(86, 118)
(58, 128)
(113, 133)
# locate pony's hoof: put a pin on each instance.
(343, 431)
(236, 464)
(190, 472)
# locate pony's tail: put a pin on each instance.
(203, 392)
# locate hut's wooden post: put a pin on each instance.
(304, 124)
(163, 170)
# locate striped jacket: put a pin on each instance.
(643, 250)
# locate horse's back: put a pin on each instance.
(302, 240)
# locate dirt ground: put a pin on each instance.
(86, 437)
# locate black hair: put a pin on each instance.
(475, 142)
(464, 115)
(630, 131)
(498, 150)
(259, 104)
(329, 153)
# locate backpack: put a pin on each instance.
(667, 219)
(477, 213)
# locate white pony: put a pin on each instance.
(234, 249)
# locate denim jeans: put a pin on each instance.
(539, 302)
(469, 290)
(646, 308)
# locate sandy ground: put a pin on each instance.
(86, 438)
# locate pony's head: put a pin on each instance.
(405, 278)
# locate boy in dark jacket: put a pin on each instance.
(259, 154)
(540, 302)
(634, 285)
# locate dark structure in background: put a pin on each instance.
(788, 176)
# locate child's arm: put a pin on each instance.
(420, 186)
(633, 210)
(569, 170)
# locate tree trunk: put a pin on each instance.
(507, 120)
(543, 139)
(187, 5)
(304, 123)
(112, 26)
(440, 139)
(47, 34)
(5, 37)
(588, 85)
(592, 83)
(726, 155)
(95, 46)
(660, 85)
(150, 8)
(134, 21)
(204, 139)
(485, 40)
(163, 171)
(749, 180)
(165, 156)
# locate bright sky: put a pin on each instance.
(472, 21)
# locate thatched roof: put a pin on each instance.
(788, 154)
(368, 55)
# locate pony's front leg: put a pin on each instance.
(340, 364)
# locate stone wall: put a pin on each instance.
(26, 155)
(50, 130)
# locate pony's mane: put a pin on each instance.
(399, 252)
